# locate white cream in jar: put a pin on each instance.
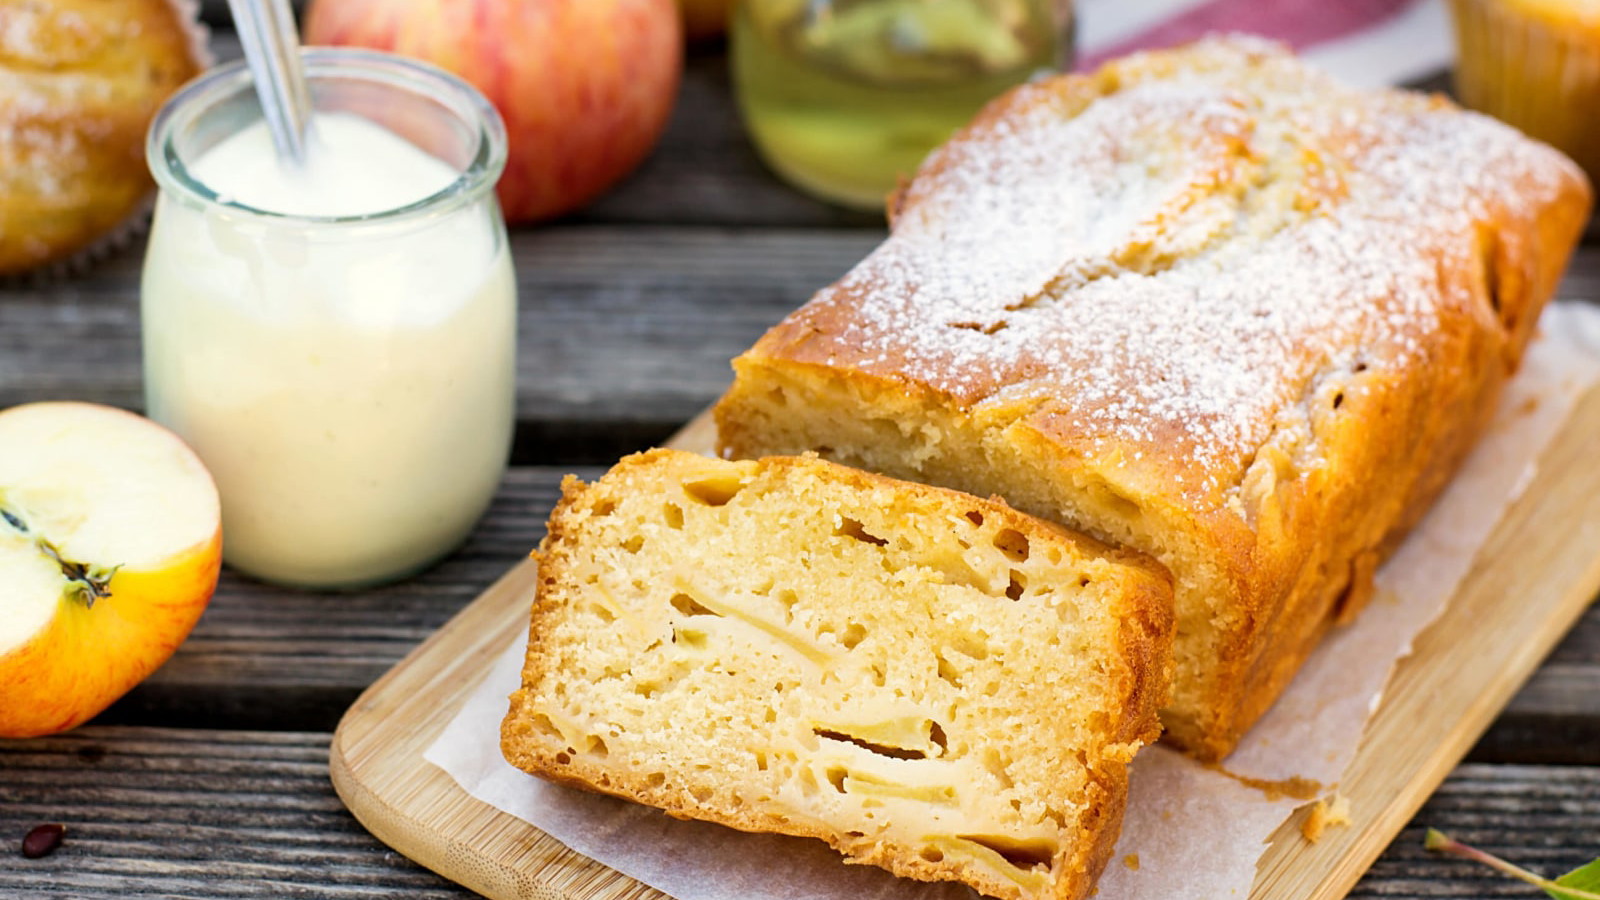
(338, 345)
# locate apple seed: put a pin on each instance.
(12, 520)
(43, 840)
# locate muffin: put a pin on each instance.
(1535, 64)
(83, 79)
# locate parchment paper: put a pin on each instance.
(1197, 833)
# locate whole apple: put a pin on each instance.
(585, 86)
(110, 543)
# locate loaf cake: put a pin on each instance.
(1205, 303)
(930, 682)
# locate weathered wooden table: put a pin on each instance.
(210, 780)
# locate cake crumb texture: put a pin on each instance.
(1332, 812)
(930, 682)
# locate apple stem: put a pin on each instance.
(85, 586)
(1440, 842)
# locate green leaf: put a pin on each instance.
(1582, 883)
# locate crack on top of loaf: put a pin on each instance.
(1018, 267)
(1291, 448)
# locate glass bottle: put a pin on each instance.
(844, 97)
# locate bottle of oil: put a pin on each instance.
(842, 97)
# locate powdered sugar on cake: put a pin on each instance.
(1178, 260)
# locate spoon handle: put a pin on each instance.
(272, 50)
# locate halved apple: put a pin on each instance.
(110, 544)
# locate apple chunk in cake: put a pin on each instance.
(930, 682)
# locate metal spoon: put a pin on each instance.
(272, 50)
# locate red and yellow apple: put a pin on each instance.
(585, 86)
(110, 544)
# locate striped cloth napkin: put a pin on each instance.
(1365, 43)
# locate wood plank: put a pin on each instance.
(192, 814)
(1542, 817)
(1465, 667)
(625, 331)
(208, 814)
(270, 657)
(1556, 716)
(266, 657)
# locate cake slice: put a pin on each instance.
(930, 682)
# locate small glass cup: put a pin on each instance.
(845, 97)
(348, 380)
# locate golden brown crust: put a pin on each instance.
(1138, 670)
(1203, 302)
(83, 81)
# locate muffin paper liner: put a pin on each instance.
(1533, 72)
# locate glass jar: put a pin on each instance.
(348, 378)
(844, 97)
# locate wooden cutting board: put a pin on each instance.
(1530, 582)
